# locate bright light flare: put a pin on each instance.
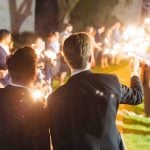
(37, 95)
(50, 54)
(106, 51)
(147, 21)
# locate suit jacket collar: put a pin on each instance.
(17, 88)
(18, 85)
(80, 75)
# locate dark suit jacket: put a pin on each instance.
(83, 111)
(23, 123)
(3, 59)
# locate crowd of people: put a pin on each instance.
(80, 114)
(110, 46)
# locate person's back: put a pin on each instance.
(23, 123)
(16, 119)
(83, 111)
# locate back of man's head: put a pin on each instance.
(22, 65)
(77, 50)
(3, 34)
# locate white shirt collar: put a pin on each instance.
(77, 71)
(19, 85)
(5, 47)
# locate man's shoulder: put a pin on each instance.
(104, 76)
(16, 91)
(59, 92)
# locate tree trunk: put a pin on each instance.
(18, 15)
(65, 8)
(46, 16)
(50, 15)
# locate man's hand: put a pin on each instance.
(135, 66)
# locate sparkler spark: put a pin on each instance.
(37, 95)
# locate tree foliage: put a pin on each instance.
(93, 12)
(50, 15)
(65, 7)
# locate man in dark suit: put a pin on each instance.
(83, 111)
(5, 40)
(23, 123)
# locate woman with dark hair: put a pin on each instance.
(23, 124)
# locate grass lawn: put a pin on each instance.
(137, 142)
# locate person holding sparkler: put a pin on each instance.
(23, 123)
(83, 111)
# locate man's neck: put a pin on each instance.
(77, 71)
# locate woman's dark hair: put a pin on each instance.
(22, 65)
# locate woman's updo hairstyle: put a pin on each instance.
(22, 64)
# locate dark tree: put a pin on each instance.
(18, 15)
(46, 16)
(50, 15)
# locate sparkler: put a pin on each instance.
(134, 42)
(37, 95)
(50, 54)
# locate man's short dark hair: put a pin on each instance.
(4, 33)
(22, 65)
(77, 50)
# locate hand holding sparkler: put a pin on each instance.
(135, 66)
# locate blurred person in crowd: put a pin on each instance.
(116, 40)
(67, 32)
(99, 39)
(5, 42)
(39, 46)
(64, 69)
(100, 34)
(83, 111)
(53, 48)
(51, 69)
(108, 44)
(23, 123)
(52, 42)
(91, 33)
